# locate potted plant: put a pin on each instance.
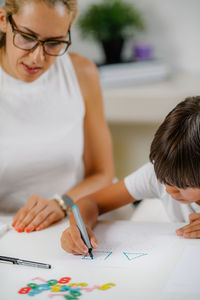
(111, 22)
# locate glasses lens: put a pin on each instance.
(55, 47)
(24, 41)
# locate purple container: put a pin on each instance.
(142, 52)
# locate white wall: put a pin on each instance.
(131, 145)
(173, 29)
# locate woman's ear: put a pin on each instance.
(3, 20)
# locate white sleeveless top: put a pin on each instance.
(41, 135)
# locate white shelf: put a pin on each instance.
(133, 73)
(148, 103)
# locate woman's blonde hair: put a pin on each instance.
(12, 7)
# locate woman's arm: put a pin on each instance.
(39, 212)
(98, 161)
(107, 199)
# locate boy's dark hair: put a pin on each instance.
(175, 149)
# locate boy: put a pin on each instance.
(173, 175)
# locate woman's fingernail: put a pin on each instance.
(27, 230)
(18, 229)
(37, 228)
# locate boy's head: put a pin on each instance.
(175, 149)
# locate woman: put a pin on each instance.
(53, 135)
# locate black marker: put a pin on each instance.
(18, 261)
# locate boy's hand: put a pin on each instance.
(191, 230)
(37, 214)
(72, 242)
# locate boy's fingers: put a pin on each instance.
(192, 235)
(182, 229)
(76, 237)
(68, 243)
(193, 227)
(190, 230)
(93, 239)
(194, 216)
(72, 242)
(94, 243)
(71, 239)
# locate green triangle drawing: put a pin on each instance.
(133, 255)
(107, 255)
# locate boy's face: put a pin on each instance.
(187, 195)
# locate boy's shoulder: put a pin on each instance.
(147, 170)
(143, 183)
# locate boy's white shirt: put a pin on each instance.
(143, 184)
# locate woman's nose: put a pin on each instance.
(38, 55)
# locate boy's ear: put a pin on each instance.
(3, 20)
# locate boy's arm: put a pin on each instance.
(107, 199)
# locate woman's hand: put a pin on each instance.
(37, 214)
(191, 230)
(72, 242)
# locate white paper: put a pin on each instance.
(4, 228)
(146, 245)
(186, 275)
(124, 244)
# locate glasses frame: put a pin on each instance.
(15, 30)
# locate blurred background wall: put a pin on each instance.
(173, 31)
(172, 28)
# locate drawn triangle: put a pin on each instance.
(133, 255)
(107, 255)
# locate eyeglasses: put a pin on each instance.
(29, 42)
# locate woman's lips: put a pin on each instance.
(31, 70)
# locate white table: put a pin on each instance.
(44, 246)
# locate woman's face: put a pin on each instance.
(43, 22)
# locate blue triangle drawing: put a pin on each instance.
(107, 255)
(133, 255)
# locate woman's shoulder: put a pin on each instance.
(87, 75)
(83, 66)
